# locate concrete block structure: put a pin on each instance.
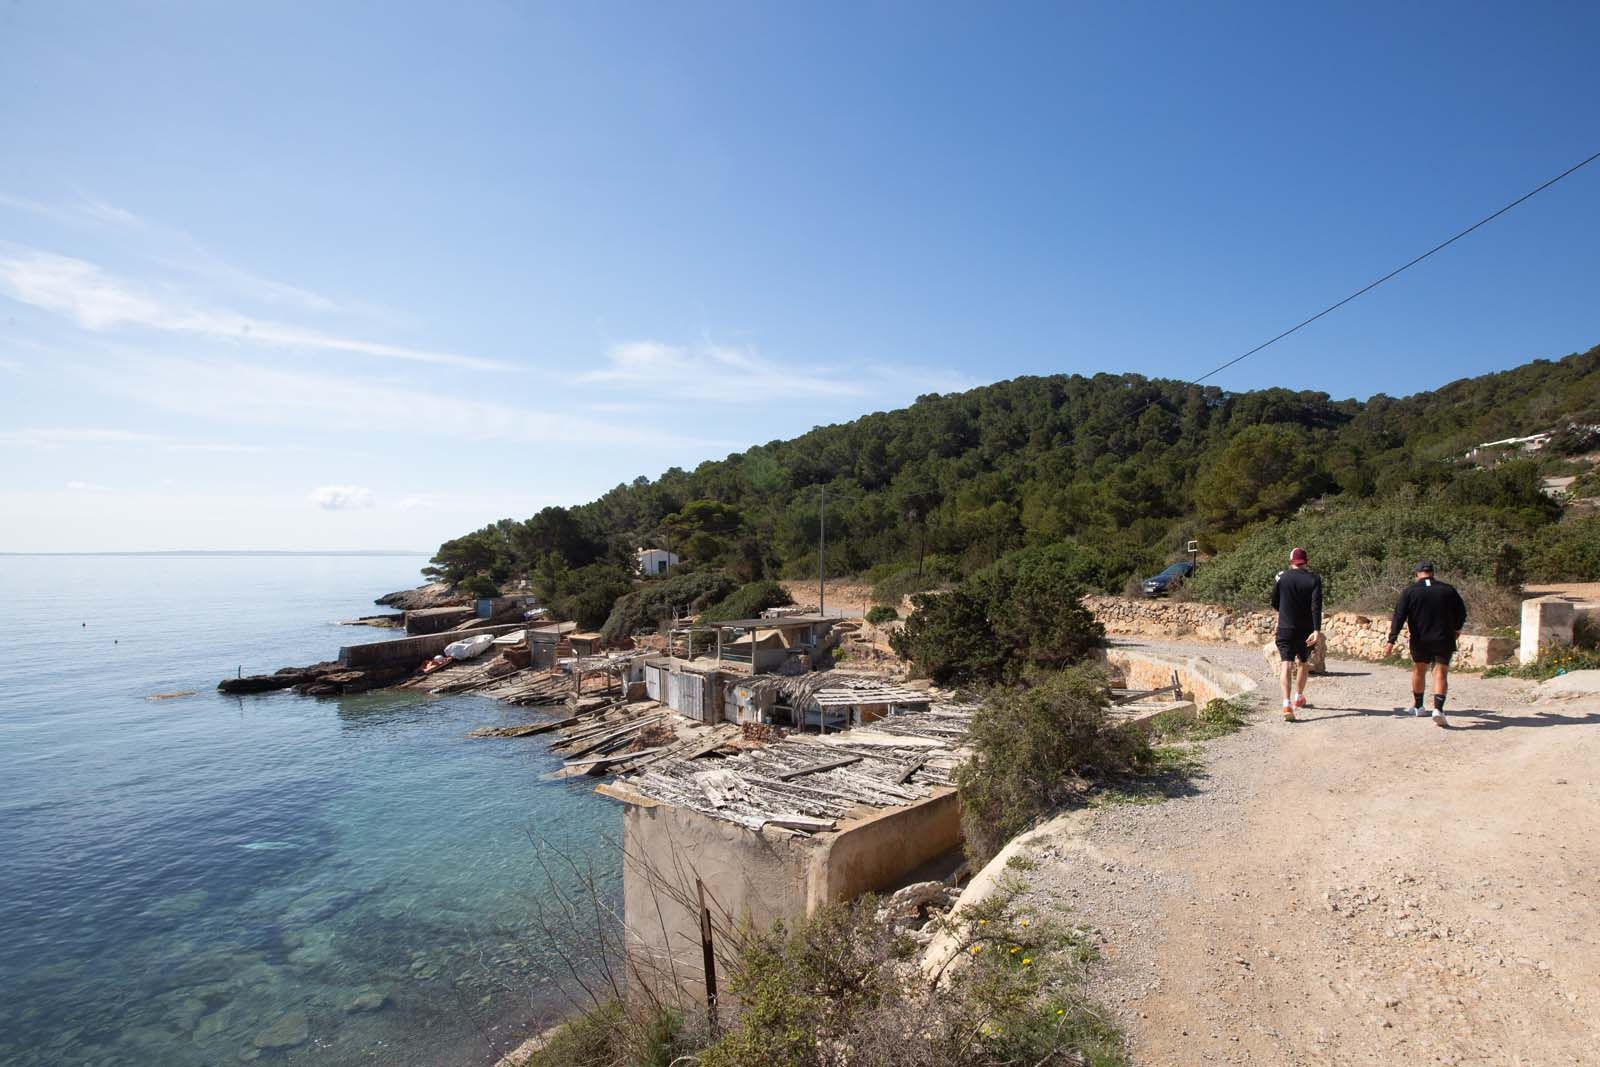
(1547, 623)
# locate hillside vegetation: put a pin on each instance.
(1125, 469)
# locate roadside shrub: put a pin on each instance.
(1567, 552)
(1037, 748)
(881, 613)
(1362, 549)
(947, 638)
(654, 601)
(1026, 609)
(1034, 601)
(748, 602)
(1553, 663)
(611, 1034)
(836, 990)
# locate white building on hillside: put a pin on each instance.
(655, 560)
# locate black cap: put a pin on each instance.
(1423, 565)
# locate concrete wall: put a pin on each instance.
(752, 877)
(433, 620)
(411, 650)
(1347, 633)
(1201, 680)
(875, 852)
(755, 877)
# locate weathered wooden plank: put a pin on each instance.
(815, 767)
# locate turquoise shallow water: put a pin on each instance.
(179, 877)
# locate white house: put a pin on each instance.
(655, 560)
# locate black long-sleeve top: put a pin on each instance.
(1432, 609)
(1297, 594)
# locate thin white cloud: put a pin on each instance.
(99, 301)
(56, 437)
(417, 503)
(342, 498)
(182, 251)
(713, 371)
(86, 487)
(242, 392)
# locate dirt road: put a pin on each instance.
(1357, 888)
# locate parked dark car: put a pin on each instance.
(1167, 580)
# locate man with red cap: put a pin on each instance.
(1297, 594)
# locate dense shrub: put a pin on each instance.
(1568, 551)
(585, 595)
(836, 990)
(655, 601)
(881, 613)
(947, 638)
(1024, 610)
(1363, 551)
(478, 585)
(748, 602)
(1034, 749)
(895, 582)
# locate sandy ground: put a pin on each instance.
(1588, 592)
(1357, 888)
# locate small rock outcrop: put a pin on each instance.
(432, 595)
(319, 679)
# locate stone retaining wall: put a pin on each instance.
(1347, 633)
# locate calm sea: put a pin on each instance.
(208, 879)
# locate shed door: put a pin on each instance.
(652, 682)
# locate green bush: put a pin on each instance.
(613, 1034)
(902, 580)
(652, 602)
(478, 585)
(1551, 664)
(835, 990)
(881, 613)
(1025, 610)
(748, 602)
(947, 638)
(1567, 552)
(1364, 553)
(1037, 748)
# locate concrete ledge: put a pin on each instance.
(410, 651)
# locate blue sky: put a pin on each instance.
(371, 275)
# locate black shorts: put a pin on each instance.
(1432, 651)
(1292, 645)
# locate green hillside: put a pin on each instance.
(1124, 467)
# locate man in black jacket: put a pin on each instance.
(1297, 594)
(1434, 613)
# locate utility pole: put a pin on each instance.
(822, 552)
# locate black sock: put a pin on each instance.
(1438, 702)
(1416, 700)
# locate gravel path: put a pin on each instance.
(1357, 888)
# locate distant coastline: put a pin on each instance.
(242, 552)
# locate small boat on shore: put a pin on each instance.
(469, 647)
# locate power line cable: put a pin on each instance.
(1398, 270)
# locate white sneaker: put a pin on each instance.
(1439, 719)
(1415, 711)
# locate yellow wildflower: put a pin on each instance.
(1026, 961)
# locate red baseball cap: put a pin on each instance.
(1297, 556)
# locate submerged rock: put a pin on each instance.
(371, 1000)
(291, 1030)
